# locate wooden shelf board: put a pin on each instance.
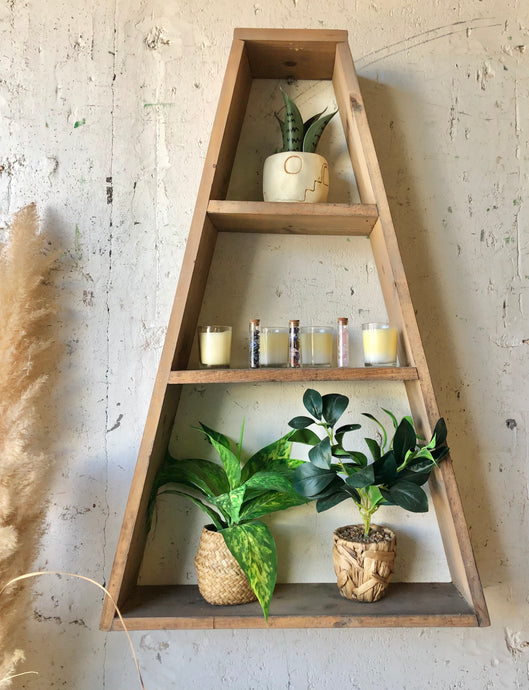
(289, 375)
(293, 218)
(172, 607)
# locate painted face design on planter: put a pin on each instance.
(296, 176)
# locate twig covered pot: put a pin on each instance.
(220, 578)
(363, 568)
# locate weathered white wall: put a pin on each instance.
(105, 113)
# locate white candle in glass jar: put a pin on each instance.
(380, 344)
(273, 347)
(214, 343)
(316, 346)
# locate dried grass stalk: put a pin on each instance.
(363, 570)
(28, 357)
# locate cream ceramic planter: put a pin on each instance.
(296, 176)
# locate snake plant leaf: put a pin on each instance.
(311, 120)
(204, 475)
(310, 480)
(404, 440)
(313, 403)
(333, 407)
(273, 457)
(253, 547)
(213, 516)
(361, 478)
(314, 132)
(407, 495)
(320, 455)
(306, 436)
(293, 125)
(284, 135)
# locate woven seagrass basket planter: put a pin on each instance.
(363, 569)
(220, 578)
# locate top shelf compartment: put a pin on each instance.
(293, 218)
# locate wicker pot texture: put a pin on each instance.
(220, 578)
(363, 569)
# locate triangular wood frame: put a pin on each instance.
(282, 54)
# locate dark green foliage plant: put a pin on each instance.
(298, 135)
(395, 474)
(234, 495)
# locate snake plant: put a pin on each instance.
(299, 135)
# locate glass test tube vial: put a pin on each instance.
(254, 343)
(343, 342)
(294, 358)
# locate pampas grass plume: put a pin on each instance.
(28, 357)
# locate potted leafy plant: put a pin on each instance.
(236, 561)
(297, 172)
(363, 554)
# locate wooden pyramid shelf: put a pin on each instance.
(299, 54)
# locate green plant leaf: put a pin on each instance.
(306, 436)
(215, 435)
(333, 407)
(310, 480)
(293, 125)
(374, 495)
(374, 448)
(339, 433)
(239, 447)
(320, 455)
(384, 433)
(268, 481)
(284, 135)
(253, 547)
(327, 502)
(385, 469)
(361, 478)
(274, 456)
(204, 475)
(313, 403)
(301, 422)
(404, 440)
(409, 496)
(311, 120)
(230, 503)
(230, 463)
(314, 132)
(440, 433)
(270, 502)
(213, 516)
(393, 418)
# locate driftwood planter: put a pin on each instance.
(363, 569)
(220, 578)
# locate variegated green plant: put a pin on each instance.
(234, 495)
(395, 475)
(298, 135)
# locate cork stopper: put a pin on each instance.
(255, 322)
(343, 321)
(293, 322)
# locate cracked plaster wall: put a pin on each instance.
(105, 114)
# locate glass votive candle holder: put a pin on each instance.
(316, 346)
(214, 346)
(380, 344)
(273, 346)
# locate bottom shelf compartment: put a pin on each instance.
(407, 604)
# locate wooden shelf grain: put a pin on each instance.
(419, 604)
(288, 375)
(293, 218)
